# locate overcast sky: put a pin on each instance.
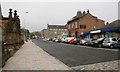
(42, 13)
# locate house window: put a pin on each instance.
(51, 29)
(69, 26)
(75, 24)
(82, 26)
(72, 25)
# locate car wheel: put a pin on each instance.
(111, 46)
(100, 45)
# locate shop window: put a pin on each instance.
(112, 34)
(114, 39)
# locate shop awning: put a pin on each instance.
(86, 33)
(96, 31)
(109, 30)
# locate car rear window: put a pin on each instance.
(114, 39)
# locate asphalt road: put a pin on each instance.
(73, 55)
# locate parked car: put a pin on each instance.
(111, 43)
(67, 39)
(74, 41)
(54, 39)
(92, 40)
(82, 42)
(63, 40)
(88, 41)
(98, 42)
(58, 40)
(77, 41)
(85, 41)
(48, 39)
(118, 40)
(45, 39)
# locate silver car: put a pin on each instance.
(111, 43)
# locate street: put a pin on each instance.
(60, 35)
(76, 55)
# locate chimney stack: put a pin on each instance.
(107, 23)
(87, 11)
(83, 12)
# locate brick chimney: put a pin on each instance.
(83, 12)
(107, 23)
(87, 11)
(78, 13)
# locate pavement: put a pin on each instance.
(32, 57)
(110, 65)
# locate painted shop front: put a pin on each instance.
(110, 30)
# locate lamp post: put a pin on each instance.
(24, 26)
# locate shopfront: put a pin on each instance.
(110, 32)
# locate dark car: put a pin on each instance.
(98, 42)
(119, 40)
(77, 41)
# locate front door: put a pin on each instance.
(76, 34)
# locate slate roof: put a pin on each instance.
(57, 27)
(114, 24)
(80, 15)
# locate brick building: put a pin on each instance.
(112, 29)
(54, 31)
(83, 22)
(109, 30)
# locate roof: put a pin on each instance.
(57, 27)
(114, 24)
(80, 15)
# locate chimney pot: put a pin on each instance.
(83, 12)
(87, 11)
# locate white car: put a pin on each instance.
(63, 40)
(67, 39)
(82, 42)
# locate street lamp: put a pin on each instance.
(24, 26)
